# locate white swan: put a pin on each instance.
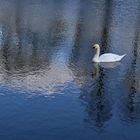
(107, 57)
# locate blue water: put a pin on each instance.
(50, 89)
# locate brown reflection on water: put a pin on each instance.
(34, 55)
(131, 111)
(98, 104)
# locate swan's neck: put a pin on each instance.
(96, 57)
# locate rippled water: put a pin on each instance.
(50, 89)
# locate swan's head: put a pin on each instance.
(96, 46)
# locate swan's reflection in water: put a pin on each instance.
(109, 65)
(97, 66)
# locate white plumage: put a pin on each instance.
(107, 57)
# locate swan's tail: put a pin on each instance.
(122, 56)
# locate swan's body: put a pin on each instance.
(107, 57)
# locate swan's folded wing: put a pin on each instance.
(109, 57)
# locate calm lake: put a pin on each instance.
(50, 89)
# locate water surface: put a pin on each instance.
(50, 89)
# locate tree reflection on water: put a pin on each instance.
(48, 45)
